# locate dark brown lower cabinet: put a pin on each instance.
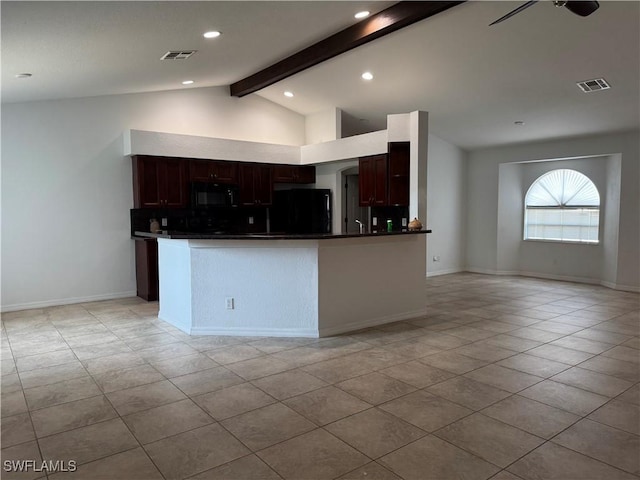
(147, 268)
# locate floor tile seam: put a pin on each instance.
(634, 384)
(591, 391)
(544, 440)
(460, 374)
(460, 404)
(130, 386)
(172, 356)
(231, 461)
(104, 457)
(68, 430)
(578, 419)
(75, 376)
(115, 369)
(33, 429)
(341, 475)
(209, 391)
(326, 384)
(563, 409)
(251, 450)
(64, 403)
(588, 417)
(416, 389)
(374, 459)
(44, 353)
(594, 458)
(61, 381)
(545, 378)
(459, 447)
(471, 412)
(237, 414)
(542, 379)
(637, 367)
(141, 444)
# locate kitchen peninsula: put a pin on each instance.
(289, 285)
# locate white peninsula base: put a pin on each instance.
(291, 287)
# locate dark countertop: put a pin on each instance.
(175, 235)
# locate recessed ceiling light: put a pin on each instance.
(212, 34)
(367, 76)
(518, 123)
(24, 75)
(187, 82)
(362, 14)
(288, 94)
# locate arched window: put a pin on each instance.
(562, 205)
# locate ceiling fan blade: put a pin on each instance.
(518, 10)
(584, 9)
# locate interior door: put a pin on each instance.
(353, 210)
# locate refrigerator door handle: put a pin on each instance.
(329, 221)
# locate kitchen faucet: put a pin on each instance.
(361, 225)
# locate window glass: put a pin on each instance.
(562, 205)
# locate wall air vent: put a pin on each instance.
(593, 85)
(178, 55)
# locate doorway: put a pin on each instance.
(351, 209)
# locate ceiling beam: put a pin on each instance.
(393, 18)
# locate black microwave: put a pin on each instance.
(204, 195)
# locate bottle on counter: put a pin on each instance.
(389, 226)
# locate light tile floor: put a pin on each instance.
(505, 378)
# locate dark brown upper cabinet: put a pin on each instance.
(399, 174)
(213, 171)
(294, 174)
(256, 184)
(384, 178)
(373, 180)
(159, 182)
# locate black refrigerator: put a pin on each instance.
(301, 211)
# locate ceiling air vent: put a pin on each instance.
(178, 55)
(593, 85)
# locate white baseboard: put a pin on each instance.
(65, 301)
(624, 288)
(562, 278)
(301, 332)
(447, 271)
(255, 332)
(353, 326)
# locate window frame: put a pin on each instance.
(561, 208)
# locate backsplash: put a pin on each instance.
(223, 220)
(395, 214)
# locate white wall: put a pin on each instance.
(323, 126)
(555, 259)
(446, 207)
(67, 189)
(483, 212)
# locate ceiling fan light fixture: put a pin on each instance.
(584, 9)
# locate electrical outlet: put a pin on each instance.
(164, 222)
(404, 222)
(250, 220)
(229, 303)
(374, 221)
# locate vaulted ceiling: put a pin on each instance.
(475, 80)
